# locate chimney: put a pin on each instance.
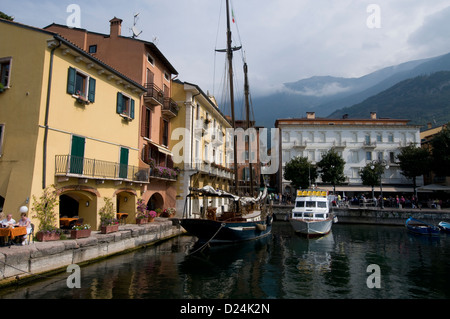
(115, 27)
(373, 115)
(311, 115)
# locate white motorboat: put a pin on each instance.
(311, 215)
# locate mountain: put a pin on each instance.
(423, 99)
(326, 94)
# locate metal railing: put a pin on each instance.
(170, 106)
(154, 92)
(68, 165)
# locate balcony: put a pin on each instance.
(80, 167)
(164, 173)
(153, 95)
(369, 145)
(169, 108)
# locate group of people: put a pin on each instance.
(24, 221)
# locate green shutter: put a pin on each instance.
(91, 95)
(123, 167)
(119, 108)
(132, 109)
(77, 155)
(71, 80)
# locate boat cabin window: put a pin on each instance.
(310, 204)
(322, 204)
(300, 204)
(297, 214)
(319, 215)
(308, 215)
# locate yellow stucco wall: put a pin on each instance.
(23, 114)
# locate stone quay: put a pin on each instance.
(24, 263)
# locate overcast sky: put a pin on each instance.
(284, 40)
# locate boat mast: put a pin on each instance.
(230, 71)
(247, 114)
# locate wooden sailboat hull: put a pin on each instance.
(217, 232)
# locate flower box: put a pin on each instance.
(47, 236)
(151, 219)
(109, 229)
(81, 233)
(140, 221)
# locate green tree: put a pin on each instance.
(331, 168)
(414, 161)
(5, 16)
(300, 172)
(441, 152)
(370, 174)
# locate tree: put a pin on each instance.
(5, 16)
(300, 172)
(370, 174)
(441, 151)
(331, 168)
(414, 161)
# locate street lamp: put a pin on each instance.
(385, 165)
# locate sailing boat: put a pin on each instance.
(248, 218)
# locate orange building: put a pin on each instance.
(142, 62)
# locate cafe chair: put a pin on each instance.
(31, 234)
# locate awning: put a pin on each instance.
(161, 149)
(363, 188)
(434, 187)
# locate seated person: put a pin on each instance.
(24, 221)
(8, 221)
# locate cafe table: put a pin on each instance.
(122, 217)
(12, 232)
(65, 221)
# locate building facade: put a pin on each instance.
(358, 141)
(144, 63)
(199, 144)
(69, 120)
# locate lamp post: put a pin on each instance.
(384, 165)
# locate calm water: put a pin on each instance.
(283, 266)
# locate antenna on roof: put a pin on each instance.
(135, 31)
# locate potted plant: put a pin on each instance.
(80, 231)
(108, 220)
(169, 212)
(151, 216)
(158, 211)
(142, 216)
(44, 209)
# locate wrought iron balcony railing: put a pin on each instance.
(154, 94)
(74, 166)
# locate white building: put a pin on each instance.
(358, 141)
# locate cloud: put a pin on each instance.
(433, 36)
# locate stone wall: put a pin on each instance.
(386, 216)
(25, 262)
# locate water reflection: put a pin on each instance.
(282, 265)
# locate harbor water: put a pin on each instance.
(353, 261)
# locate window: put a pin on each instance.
(379, 138)
(368, 156)
(93, 48)
(2, 133)
(391, 138)
(166, 76)
(300, 204)
(310, 204)
(125, 106)
(150, 59)
(81, 85)
(322, 204)
(392, 157)
(165, 136)
(367, 139)
(380, 156)
(5, 71)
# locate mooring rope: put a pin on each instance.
(204, 245)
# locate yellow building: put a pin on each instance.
(198, 144)
(69, 120)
